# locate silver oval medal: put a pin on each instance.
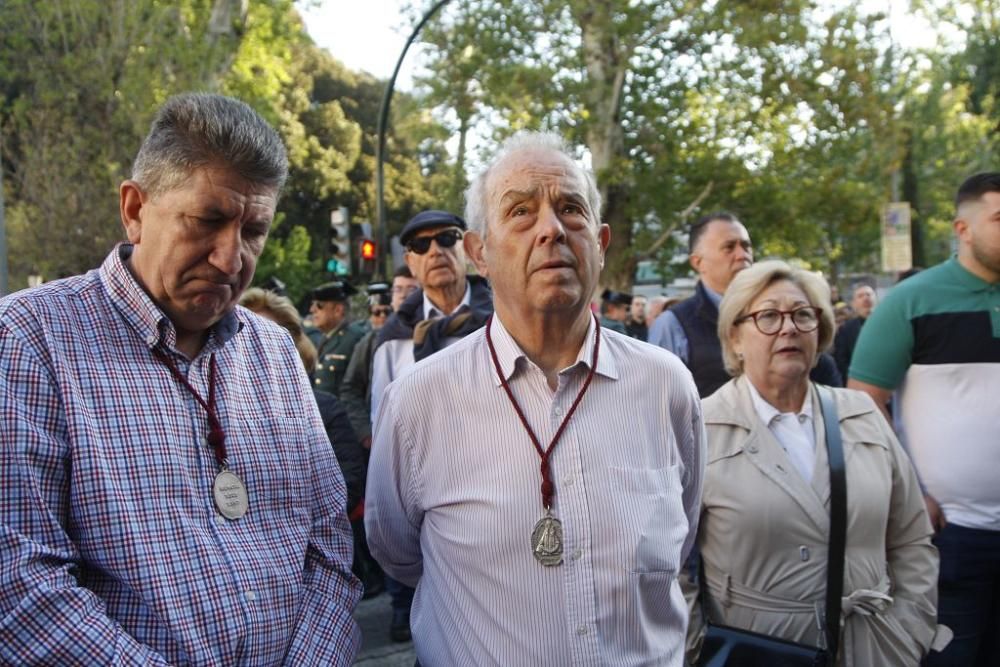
(547, 541)
(230, 495)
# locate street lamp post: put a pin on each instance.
(383, 119)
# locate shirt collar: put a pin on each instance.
(768, 412)
(713, 296)
(966, 278)
(509, 352)
(430, 310)
(143, 315)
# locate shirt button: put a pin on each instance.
(557, 411)
(317, 379)
(568, 481)
(802, 419)
(219, 519)
(752, 449)
(251, 596)
(577, 554)
(581, 630)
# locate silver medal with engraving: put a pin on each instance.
(230, 495)
(547, 541)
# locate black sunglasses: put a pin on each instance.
(381, 311)
(445, 239)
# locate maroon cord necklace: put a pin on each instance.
(228, 489)
(547, 536)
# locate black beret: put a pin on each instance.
(428, 220)
(621, 298)
(338, 290)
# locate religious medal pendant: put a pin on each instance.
(547, 540)
(230, 494)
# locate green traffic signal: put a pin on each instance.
(336, 267)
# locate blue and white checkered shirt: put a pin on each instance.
(112, 549)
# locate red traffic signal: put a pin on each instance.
(367, 249)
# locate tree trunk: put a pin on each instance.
(606, 61)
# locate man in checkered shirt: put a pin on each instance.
(168, 494)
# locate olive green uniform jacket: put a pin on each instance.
(334, 353)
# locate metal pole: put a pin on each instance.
(383, 119)
(891, 56)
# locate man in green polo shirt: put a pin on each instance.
(936, 338)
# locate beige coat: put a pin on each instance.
(763, 534)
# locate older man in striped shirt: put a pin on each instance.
(539, 481)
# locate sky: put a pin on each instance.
(365, 35)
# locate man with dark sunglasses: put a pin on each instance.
(449, 306)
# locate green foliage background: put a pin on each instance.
(797, 115)
(81, 79)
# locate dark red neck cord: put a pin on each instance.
(548, 488)
(216, 436)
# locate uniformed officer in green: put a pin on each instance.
(330, 312)
(614, 310)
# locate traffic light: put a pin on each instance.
(367, 252)
(340, 242)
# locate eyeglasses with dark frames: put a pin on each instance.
(445, 239)
(381, 312)
(770, 320)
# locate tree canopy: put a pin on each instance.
(802, 117)
(80, 81)
(795, 115)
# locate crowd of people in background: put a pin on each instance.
(193, 472)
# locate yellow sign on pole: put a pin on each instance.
(897, 254)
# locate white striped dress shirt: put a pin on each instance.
(454, 493)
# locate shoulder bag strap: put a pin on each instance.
(838, 520)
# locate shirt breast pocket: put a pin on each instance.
(277, 464)
(649, 516)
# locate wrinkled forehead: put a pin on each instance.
(533, 169)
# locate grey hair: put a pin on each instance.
(477, 209)
(196, 130)
(749, 283)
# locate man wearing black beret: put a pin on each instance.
(449, 306)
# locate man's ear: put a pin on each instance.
(695, 262)
(604, 240)
(130, 202)
(961, 227)
(475, 250)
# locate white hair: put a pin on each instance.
(477, 195)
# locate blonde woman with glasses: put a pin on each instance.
(765, 517)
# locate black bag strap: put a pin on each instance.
(838, 521)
